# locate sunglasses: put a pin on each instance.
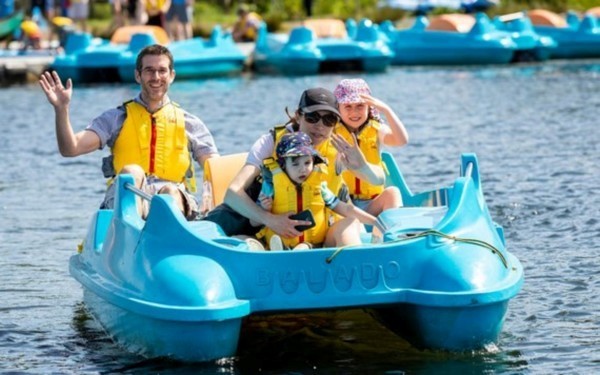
(328, 119)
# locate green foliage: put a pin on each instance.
(280, 14)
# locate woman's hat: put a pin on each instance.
(318, 99)
(297, 144)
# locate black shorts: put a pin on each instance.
(230, 220)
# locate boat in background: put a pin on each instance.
(218, 55)
(531, 46)
(322, 45)
(575, 37)
(440, 275)
(88, 59)
(450, 39)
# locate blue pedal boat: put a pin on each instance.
(87, 59)
(531, 46)
(441, 278)
(450, 39)
(322, 45)
(575, 37)
(194, 58)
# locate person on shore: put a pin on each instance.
(79, 12)
(150, 137)
(31, 35)
(246, 27)
(317, 115)
(299, 174)
(157, 12)
(178, 19)
(361, 121)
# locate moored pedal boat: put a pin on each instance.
(450, 39)
(575, 37)
(322, 45)
(87, 59)
(442, 277)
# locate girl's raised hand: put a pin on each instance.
(374, 102)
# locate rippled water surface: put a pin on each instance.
(534, 129)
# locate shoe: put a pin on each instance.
(303, 246)
(254, 244)
(275, 243)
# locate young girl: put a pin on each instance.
(361, 123)
(295, 182)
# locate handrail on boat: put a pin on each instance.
(138, 192)
(469, 170)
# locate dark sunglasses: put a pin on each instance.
(328, 119)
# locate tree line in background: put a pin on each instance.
(293, 9)
(277, 13)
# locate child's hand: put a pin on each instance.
(265, 202)
(350, 154)
(374, 102)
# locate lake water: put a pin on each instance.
(533, 127)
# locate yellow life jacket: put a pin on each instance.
(297, 198)
(335, 182)
(31, 29)
(368, 141)
(157, 142)
(154, 7)
(250, 32)
(326, 149)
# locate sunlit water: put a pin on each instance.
(534, 129)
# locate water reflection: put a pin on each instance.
(327, 342)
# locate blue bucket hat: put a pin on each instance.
(297, 144)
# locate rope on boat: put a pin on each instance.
(336, 252)
(433, 232)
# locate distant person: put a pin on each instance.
(31, 35)
(190, 14)
(178, 20)
(149, 136)
(246, 27)
(308, 5)
(44, 8)
(157, 12)
(79, 12)
(299, 173)
(362, 123)
(117, 13)
(136, 12)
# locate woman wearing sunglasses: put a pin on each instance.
(316, 115)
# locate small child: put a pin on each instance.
(298, 183)
(361, 121)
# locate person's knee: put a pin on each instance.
(344, 232)
(170, 189)
(392, 197)
(136, 171)
(177, 195)
(132, 169)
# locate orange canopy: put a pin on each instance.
(460, 23)
(123, 34)
(543, 17)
